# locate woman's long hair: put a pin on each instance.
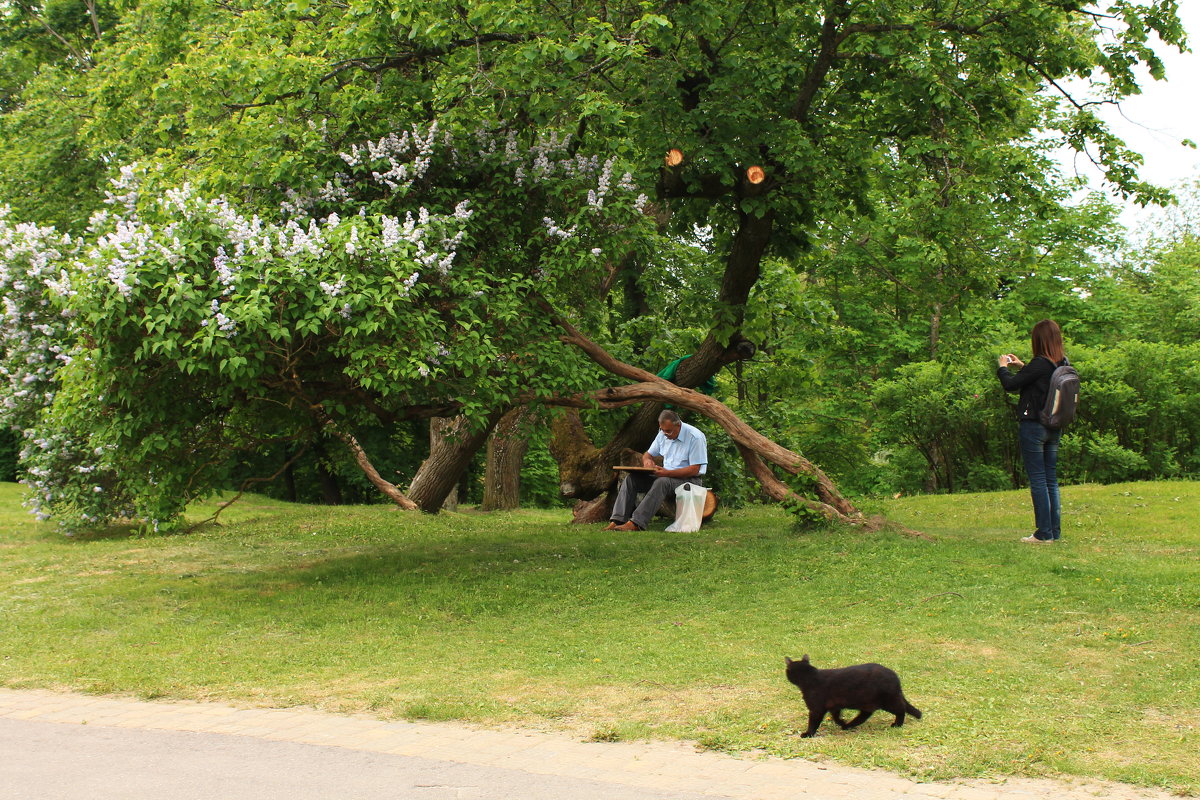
(1047, 340)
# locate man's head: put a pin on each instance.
(670, 424)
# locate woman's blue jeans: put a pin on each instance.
(1039, 448)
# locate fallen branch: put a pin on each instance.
(753, 446)
(246, 484)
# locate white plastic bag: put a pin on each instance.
(689, 508)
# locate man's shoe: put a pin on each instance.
(628, 526)
(612, 526)
(1033, 539)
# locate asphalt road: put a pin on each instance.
(51, 761)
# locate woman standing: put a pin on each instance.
(1039, 444)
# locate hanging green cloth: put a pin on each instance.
(668, 373)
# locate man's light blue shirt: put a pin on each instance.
(688, 448)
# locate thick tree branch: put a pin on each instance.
(28, 9)
(826, 56)
(378, 64)
(402, 60)
(779, 491)
(360, 457)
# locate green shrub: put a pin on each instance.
(1099, 458)
(949, 426)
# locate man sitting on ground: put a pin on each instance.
(684, 453)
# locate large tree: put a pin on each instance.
(779, 117)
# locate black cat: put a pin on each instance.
(866, 687)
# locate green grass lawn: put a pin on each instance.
(1079, 658)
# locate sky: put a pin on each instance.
(1155, 122)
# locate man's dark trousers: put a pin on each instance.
(656, 490)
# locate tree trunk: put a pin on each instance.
(935, 330)
(452, 445)
(598, 510)
(505, 452)
(743, 266)
(331, 491)
(289, 476)
(584, 470)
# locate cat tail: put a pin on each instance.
(912, 710)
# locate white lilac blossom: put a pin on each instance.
(334, 289)
(553, 229)
(225, 275)
(34, 338)
(127, 187)
(596, 197)
(401, 158)
(224, 323)
(390, 233)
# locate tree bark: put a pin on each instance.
(451, 449)
(505, 452)
(289, 475)
(331, 491)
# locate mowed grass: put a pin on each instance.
(1080, 658)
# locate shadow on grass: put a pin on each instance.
(126, 530)
(480, 576)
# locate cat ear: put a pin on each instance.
(787, 660)
(804, 659)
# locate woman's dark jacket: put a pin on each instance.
(1033, 382)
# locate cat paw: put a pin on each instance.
(808, 734)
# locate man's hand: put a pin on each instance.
(682, 472)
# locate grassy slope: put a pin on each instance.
(1079, 658)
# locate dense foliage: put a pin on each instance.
(336, 219)
(869, 402)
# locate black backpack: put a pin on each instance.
(1062, 399)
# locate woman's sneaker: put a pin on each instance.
(1033, 539)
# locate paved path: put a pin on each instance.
(55, 745)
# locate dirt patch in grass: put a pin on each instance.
(645, 705)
